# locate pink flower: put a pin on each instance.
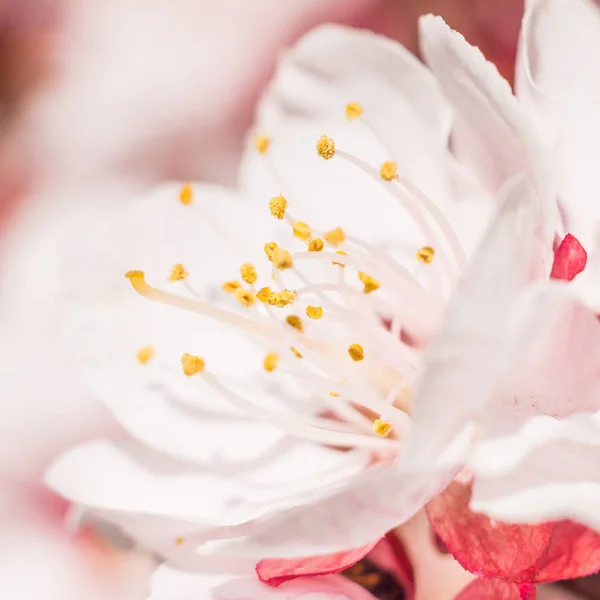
(435, 340)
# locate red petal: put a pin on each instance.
(490, 548)
(496, 589)
(274, 571)
(574, 551)
(484, 546)
(569, 259)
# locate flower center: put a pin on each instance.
(350, 327)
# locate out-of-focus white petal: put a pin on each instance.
(557, 83)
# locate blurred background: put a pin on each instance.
(99, 98)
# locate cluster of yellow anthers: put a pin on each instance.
(281, 259)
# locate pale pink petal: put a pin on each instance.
(491, 132)
(310, 588)
(558, 84)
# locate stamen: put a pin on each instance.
(269, 248)
(302, 230)
(178, 273)
(356, 352)
(262, 143)
(248, 273)
(277, 206)
(295, 352)
(139, 284)
(264, 294)
(270, 362)
(371, 284)
(191, 364)
(353, 111)
(231, 286)
(388, 170)
(336, 236)
(281, 299)
(186, 194)
(314, 312)
(295, 322)
(179, 541)
(281, 259)
(425, 254)
(244, 297)
(325, 147)
(342, 253)
(315, 245)
(145, 354)
(381, 428)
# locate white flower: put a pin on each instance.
(229, 458)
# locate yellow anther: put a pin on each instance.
(270, 362)
(336, 236)
(277, 206)
(371, 284)
(295, 352)
(295, 322)
(282, 259)
(302, 230)
(353, 111)
(179, 541)
(425, 254)
(231, 286)
(131, 275)
(281, 299)
(356, 352)
(381, 428)
(334, 394)
(264, 294)
(388, 170)
(186, 194)
(262, 143)
(269, 249)
(145, 354)
(178, 273)
(333, 262)
(314, 312)
(191, 364)
(248, 273)
(325, 147)
(315, 245)
(244, 297)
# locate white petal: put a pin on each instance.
(405, 119)
(549, 472)
(463, 363)
(552, 366)
(158, 500)
(558, 83)
(491, 132)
